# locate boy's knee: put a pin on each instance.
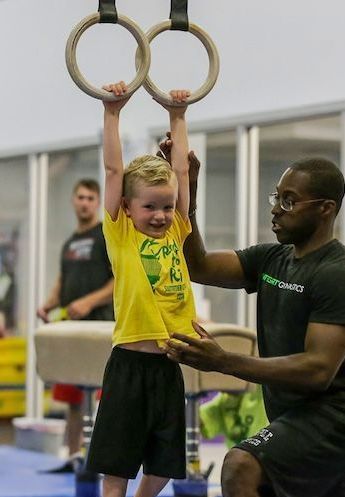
(240, 470)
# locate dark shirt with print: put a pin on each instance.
(292, 293)
(85, 268)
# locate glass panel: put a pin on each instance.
(282, 144)
(220, 230)
(14, 216)
(65, 169)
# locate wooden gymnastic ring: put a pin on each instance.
(78, 78)
(213, 71)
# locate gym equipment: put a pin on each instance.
(179, 21)
(107, 14)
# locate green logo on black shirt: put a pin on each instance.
(282, 284)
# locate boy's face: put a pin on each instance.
(152, 208)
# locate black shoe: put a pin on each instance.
(72, 465)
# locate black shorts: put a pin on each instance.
(141, 417)
(303, 451)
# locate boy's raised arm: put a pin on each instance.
(112, 151)
(179, 150)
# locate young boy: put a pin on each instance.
(140, 418)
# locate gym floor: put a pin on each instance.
(209, 452)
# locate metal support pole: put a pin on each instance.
(253, 202)
(197, 142)
(196, 482)
(242, 209)
(87, 418)
(192, 435)
(31, 393)
(87, 483)
(41, 261)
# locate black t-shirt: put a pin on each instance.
(85, 268)
(291, 293)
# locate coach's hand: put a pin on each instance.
(204, 354)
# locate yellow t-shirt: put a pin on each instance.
(152, 292)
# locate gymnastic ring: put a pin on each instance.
(78, 78)
(213, 71)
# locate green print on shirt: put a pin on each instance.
(175, 288)
(151, 254)
(295, 287)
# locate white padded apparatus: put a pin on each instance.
(78, 78)
(75, 352)
(232, 338)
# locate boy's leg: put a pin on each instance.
(114, 486)
(150, 486)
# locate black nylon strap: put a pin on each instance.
(179, 15)
(107, 10)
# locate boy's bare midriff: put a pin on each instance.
(150, 346)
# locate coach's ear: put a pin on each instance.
(328, 207)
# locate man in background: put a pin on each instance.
(83, 290)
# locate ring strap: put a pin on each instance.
(179, 15)
(107, 11)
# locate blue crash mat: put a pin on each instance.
(20, 476)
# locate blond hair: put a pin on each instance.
(149, 169)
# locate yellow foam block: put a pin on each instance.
(13, 374)
(13, 402)
(12, 350)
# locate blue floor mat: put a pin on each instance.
(20, 476)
